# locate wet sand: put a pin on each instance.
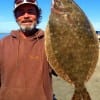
(64, 91)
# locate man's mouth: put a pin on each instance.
(26, 21)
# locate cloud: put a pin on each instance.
(6, 27)
(7, 23)
(42, 25)
(1, 17)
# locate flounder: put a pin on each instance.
(71, 45)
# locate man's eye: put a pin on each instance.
(22, 12)
(31, 12)
(19, 13)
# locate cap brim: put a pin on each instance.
(21, 4)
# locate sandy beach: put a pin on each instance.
(64, 91)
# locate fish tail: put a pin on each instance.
(76, 95)
(85, 94)
(81, 93)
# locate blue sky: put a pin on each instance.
(8, 23)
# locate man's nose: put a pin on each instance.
(26, 15)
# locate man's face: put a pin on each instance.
(26, 17)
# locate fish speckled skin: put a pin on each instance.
(71, 45)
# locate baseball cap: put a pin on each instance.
(18, 3)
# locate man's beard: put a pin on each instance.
(28, 30)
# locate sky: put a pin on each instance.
(7, 21)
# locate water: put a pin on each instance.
(3, 35)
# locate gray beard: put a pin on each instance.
(27, 29)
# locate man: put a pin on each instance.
(24, 71)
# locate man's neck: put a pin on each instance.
(28, 34)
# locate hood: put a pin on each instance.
(37, 35)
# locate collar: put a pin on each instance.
(39, 34)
